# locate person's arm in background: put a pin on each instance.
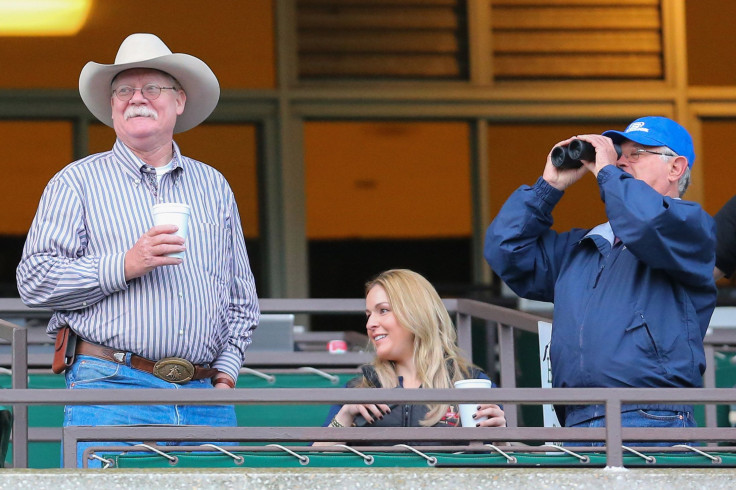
(725, 240)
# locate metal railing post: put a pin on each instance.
(465, 334)
(19, 379)
(507, 356)
(614, 439)
(709, 381)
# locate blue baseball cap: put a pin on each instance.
(658, 131)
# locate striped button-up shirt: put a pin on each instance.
(92, 212)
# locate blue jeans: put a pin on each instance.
(641, 418)
(93, 373)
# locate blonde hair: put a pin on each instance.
(419, 309)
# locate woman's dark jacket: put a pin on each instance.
(401, 415)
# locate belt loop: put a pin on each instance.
(128, 357)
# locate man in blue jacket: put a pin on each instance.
(633, 296)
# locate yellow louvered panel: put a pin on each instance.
(567, 3)
(579, 66)
(576, 39)
(378, 19)
(582, 18)
(397, 42)
(370, 66)
(415, 39)
(382, 3)
(571, 42)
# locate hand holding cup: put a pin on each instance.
(467, 410)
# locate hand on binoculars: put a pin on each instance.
(563, 170)
(562, 178)
(605, 152)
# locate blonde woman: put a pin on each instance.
(415, 343)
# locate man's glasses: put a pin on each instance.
(150, 91)
(634, 155)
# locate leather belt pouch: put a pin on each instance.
(66, 344)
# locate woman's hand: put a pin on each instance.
(496, 417)
(370, 412)
(347, 414)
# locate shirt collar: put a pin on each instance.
(604, 230)
(134, 165)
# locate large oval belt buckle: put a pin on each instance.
(174, 370)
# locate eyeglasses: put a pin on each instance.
(634, 155)
(150, 91)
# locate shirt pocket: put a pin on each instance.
(210, 248)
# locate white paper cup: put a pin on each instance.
(466, 409)
(173, 213)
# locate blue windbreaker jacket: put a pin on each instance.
(629, 314)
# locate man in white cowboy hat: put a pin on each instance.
(143, 318)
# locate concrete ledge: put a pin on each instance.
(344, 478)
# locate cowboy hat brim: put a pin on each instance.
(195, 77)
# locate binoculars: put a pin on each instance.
(569, 156)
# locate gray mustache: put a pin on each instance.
(142, 111)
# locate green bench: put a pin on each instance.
(409, 459)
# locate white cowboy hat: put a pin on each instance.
(148, 51)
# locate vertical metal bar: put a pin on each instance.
(270, 210)
(709, 381)
(69, 447)
(19, 380)
(80, 138)
(480, 191)
(292, 223)
(507, 354)
(491, 347)
(614, 452)
(465, 334)
(294, 220)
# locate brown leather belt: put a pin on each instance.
(171, 369)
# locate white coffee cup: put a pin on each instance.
(468, 409)
(173, 213)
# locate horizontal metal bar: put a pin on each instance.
(7, 329)
(301, 396)
(478, 309)
(499, 314)
(399, 434)
(447, 448)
